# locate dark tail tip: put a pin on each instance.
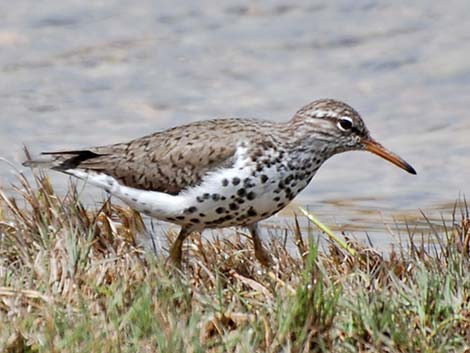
(28, 162)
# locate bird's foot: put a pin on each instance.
(263, 257)
(174, 259)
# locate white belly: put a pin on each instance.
(240, 195)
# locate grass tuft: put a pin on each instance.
(76, 279)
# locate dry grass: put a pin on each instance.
(76, 280)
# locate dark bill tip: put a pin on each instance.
(410, 169)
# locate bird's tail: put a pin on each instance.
(61, 161)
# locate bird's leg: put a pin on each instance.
(176, 249)
(260, 252)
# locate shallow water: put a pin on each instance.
(76, 74)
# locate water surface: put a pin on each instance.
(77, 74)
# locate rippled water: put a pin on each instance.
(77, 73)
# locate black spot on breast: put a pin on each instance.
(264, 178)
(206, 196)
(199, 199)
(288, 179)
(220, 210)
(239, 200)
(277, 198)
(224, 182)
(236, 181)
(223, 198)
(215, 197)
(180, 218)
(194, 220)
(247, 183)
(233, 206)
(241, 192)
(218, 220)
(202, 215)
(251, 195)
(264, 214)
(251, 212)
(191, 209)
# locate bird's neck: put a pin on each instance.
(307, 142)
(304, 151)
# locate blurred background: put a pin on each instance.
(77, 73)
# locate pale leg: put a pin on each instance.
(176, 250)
(260, 252)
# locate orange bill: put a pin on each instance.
(379, 150)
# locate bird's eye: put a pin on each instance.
(345, 124)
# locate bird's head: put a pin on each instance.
(343, 129)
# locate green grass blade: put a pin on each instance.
(328, 231)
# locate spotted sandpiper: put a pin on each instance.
(222, 172)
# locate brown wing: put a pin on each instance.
(167, 161)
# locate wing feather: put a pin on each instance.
(168, 161)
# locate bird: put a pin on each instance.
(222, 172)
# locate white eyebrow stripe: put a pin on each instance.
(324, 114)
